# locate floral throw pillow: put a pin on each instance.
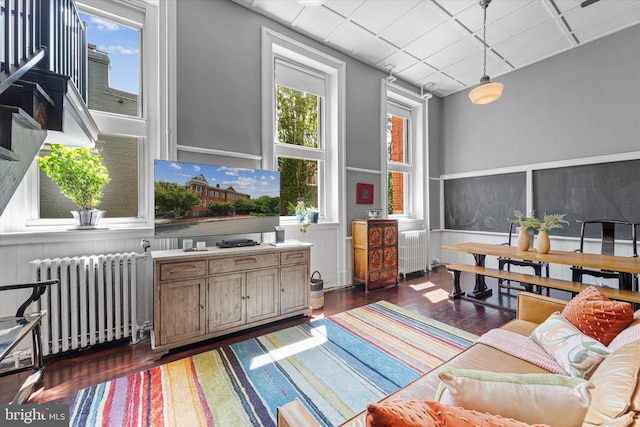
(577, 353)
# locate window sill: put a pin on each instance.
(59, 234)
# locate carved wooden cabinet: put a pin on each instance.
(202, 295)
(374, 252)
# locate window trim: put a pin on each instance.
(18, 224)
(331, 170)
(415, 165)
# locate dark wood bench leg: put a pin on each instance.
(480, 290)
(456, 293)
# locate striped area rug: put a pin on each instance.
(335, 366)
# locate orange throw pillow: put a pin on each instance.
(401, 413)
(596, 316)
(420, 413)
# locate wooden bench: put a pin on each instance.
(547, 282)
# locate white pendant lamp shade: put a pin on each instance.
(486, 93)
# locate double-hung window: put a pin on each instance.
(404, 153)
(123, 81)
(399, 159)
(299, 145)
(302, 103)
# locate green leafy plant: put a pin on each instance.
(525, 222)
(79, 173)
(305, 213)
(550, 222)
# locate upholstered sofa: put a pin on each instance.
(614, 390)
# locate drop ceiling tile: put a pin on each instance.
(350, 37)
(416, 72)
(542, 42)
(344, 7)
(520, 20)
(456, 52)
(377, 15)
(454, 7)
(318, 21)
(441, 37)
(598, 15)
(376, 50)
(281, 9)
(497, 10)
(398, 62)
(469, 70)
(419, 20)
(440, 84)
(580, 16)
(610, 25)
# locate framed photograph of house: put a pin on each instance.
(364, 194)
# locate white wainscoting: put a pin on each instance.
(326, 255)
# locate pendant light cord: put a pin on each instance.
(484, 37)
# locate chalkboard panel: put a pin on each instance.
(484, 203)
(589, 192)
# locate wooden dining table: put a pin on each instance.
(626, 266)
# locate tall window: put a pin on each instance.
(113, 97)
(113, 87)
(299, 122)
(302, 98)
(120, 107)
(398, 158)
(404, 146)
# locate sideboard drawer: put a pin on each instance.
(182, 270)
(294, 257)
(242, 262)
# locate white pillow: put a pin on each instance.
(530, 398)
(577, 353)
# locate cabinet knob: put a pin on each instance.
(243, 298)
(202, 306)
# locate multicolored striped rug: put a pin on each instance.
(335, 366)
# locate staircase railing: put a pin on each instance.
(48, 34)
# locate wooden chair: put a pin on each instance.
(607, 247)
(508, 262)
(14, 328)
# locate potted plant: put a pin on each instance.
(80, 176)
(549, 222)
(312, 213)
(525, 223)
(300, 210)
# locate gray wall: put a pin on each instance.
(219, 83)
(218, 86)
(580, 103)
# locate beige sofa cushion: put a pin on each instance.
(546, 395)
(616, 386)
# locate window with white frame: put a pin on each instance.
(302, 102)
(299, 147)
(119, 108)
(404, 149)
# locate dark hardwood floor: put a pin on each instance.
(425, 294)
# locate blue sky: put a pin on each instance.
(121, 43)
(254, 182)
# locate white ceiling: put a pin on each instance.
(437, 44)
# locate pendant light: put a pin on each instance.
(488, 91)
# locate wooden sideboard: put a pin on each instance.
(374, 252)
(201, 295)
